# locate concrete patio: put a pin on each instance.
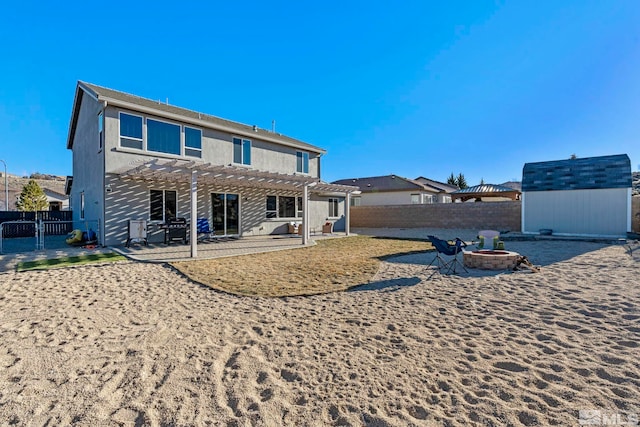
(159, 252)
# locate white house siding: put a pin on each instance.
(601, 212)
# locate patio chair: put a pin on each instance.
(204, 231)
(445, 248)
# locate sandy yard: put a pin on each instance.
(139, 344)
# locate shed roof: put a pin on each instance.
(136, 103)
(578, 174)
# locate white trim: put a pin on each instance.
(337, 208)
(154, 155)
(164, 213)
(233, 148)
(169, 123)
(302, 172)
(184, 142)
(120, 113)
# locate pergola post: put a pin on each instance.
(347, 213)
(194, 214)
(305, 214)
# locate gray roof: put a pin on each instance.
(485, 188)
(384, 183)
(578, 174)
(436, 185)
(160, 108)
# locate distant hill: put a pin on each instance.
(15, 184)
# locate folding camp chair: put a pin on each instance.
(444, 248)
(204, 232)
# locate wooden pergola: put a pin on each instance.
(194, 172)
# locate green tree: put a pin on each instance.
(452, 180)
(461, 181)
(573, 157)
(32, 198)
(481, 181)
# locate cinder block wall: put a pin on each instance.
(479, 215)
(635, 214)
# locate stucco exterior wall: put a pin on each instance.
(600, 212)
(129, 199)
(217, 149)
(498, 216)
(88, 165)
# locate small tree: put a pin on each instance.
(32, 198)
(573, 157)
(461, 181)
(481, 181)
(452, 180)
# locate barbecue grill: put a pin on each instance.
(175, 229)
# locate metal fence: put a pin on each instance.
(25, 236)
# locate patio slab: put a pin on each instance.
(160, 253)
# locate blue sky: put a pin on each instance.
(414, 88)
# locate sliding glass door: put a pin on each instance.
(226, 214)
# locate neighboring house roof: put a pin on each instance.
(578, 174)
(136, 103)
(516, 185)
(386, 183)
(485, 190)
(436, 185)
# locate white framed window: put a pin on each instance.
(82, 205)
(130, 131)
(163, 205)
(429, 198)
(299, 207)
(446, 199)
(163, 137)
(283, 207)
(100, 130)
(302, 162)
(241, 151)
(416, 199)
(333, 207)
(356, 201)
(192, 142)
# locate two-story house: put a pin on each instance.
(135, 158)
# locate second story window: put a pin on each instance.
(302, 162)
(100, 130)
(192, 142)
(241, 151)
(130, 131)
(163, 137)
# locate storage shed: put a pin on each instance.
(586, 197)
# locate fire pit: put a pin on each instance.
(490, 260)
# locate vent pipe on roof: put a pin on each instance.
(273, 126)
